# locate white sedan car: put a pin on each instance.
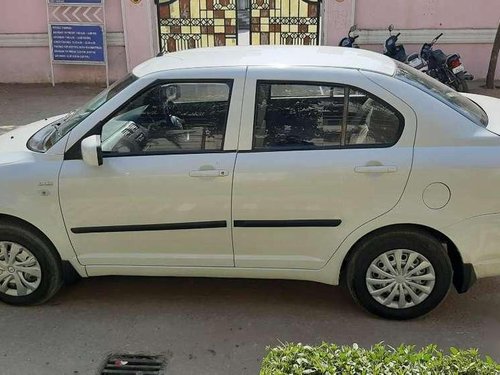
(314, 163)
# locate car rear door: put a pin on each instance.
(321, 152)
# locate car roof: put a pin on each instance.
(293, 56)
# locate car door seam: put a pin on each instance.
(66, 229)
(231, 223)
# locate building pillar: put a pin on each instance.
(339, 15)
(140, 31)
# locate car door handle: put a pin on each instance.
(376, 169)
(209, 173)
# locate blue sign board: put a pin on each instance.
(78, 43)
(76, 2)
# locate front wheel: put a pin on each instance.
(30, 271)
(402, 274)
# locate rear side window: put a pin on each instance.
(305, 115)
(443, 93)
(370, 121)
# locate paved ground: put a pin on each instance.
(22, 104)
(206, 326)
(216, 326)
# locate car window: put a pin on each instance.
(297, 115)
(370, 121)
(443, 93)
(48, 136)
(170, 117)
(303, 115)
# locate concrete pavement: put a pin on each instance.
(21, 104)
(206, 326)
(217, 326)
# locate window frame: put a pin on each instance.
(74, 153)
(347, 88)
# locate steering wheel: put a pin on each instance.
(131, 139)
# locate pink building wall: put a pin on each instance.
(421, 14)
(457, 17)
(132, 33)
(28, 64)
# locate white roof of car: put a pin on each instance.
(318, 56)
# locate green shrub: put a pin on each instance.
(330, 359)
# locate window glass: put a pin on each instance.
(48, 136)
(297, 116)
(171, 117)
(443, 93)
(370, 121)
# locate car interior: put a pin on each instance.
(302, 116)
(170, 118)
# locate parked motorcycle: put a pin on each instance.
(392, 48)
(350, 40)
(396, 50)
(448, 69)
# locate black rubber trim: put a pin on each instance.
(158, 153)
(99, 155)
(286, 223)
(465, 278)
(151, 227)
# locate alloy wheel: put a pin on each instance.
(20, 271)
(400, 278)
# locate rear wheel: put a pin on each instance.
(399, 275)
(30, 270)
(461, 84)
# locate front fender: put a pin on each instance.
(29, 192)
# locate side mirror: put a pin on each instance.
(391, 27)
(353, 28)
(91, 150)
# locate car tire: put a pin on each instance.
(30, 268)
(400, 275)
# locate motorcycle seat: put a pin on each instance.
(439, 56)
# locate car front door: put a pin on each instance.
(162, 196)
(322, 151)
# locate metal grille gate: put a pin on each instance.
(285, 22)
(185, 24)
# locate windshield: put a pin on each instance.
(443, 93)
(48, 136)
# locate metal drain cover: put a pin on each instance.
(133, 364)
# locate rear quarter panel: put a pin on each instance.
(451, 150)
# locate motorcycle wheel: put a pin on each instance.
(461, 85)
